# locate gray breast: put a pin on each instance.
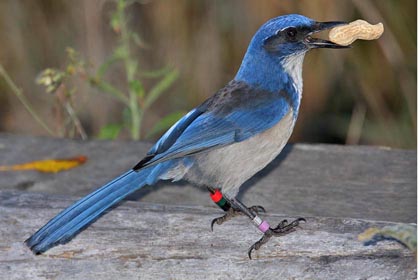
(229, 167)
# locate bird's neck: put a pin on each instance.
(263, 71)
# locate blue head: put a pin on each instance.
(275, 55)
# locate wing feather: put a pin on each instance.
(234, 114)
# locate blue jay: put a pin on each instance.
(224, 141)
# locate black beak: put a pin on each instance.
(320, 43)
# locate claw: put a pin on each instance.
(220, 220)
(253, 247)
(215, 220)
(257, 209)
(282, 229)
(282, 223)
(233, 213)
(257, 245)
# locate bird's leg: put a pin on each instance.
(231, 212)
(282, 228)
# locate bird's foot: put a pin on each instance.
(231, 213)
(233, 207)
(282, 229)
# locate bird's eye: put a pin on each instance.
(291, 32)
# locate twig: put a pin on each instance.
(65, 101)
(23, 100)
(135, 111)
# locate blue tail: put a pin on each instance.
(75, 218)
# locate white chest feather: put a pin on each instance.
(229, 167)
(293, 66)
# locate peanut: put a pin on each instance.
(346, 34)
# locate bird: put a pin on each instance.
(221, 143)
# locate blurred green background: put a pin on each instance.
(364, 95)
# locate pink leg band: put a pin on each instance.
(264, 226)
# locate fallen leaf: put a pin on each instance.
(47, 165)
(405, 234)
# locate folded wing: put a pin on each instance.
(234, 114)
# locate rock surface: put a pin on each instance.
(151, 241)
(305, 180)
(165, 234)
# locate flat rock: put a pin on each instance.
(305, 180)
(141, 240)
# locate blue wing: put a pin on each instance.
(233, 114)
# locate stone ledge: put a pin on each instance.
(151, 241)
(305, 180)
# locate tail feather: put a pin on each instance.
(75, 218)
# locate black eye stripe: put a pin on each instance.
(290, 32)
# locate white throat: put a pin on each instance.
(293, 66)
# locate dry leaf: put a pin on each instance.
(405, 234)
(48, 165)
